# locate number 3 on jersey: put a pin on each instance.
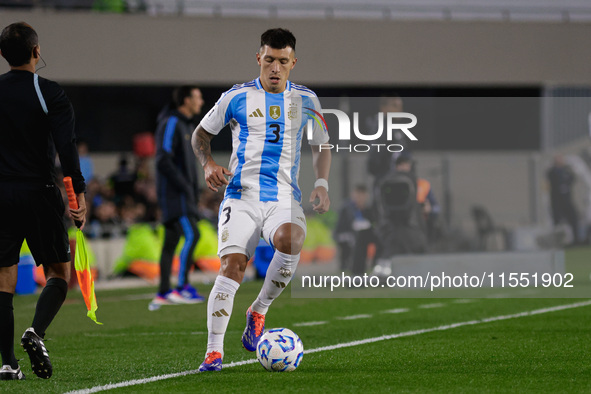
(227, 211)
(275, 129)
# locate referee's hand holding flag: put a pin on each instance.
(77, 205)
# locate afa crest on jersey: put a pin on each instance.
(292, 114)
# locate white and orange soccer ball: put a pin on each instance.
(280, 350)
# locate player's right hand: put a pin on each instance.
(320, 194)
(215, 175)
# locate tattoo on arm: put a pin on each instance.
(202, 145)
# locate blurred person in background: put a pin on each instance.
(86, 164)
(383, 162)
(104, 222)
(93, 188)
(146, 195)
(142, 169)
(353, 231)
(178, 193)
(123, 180)
(403, 203)
(561, 179)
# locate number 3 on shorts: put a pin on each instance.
(227, 210)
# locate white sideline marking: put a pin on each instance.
(397, 310)
(309, 323)
(434, 305)
(445, 327)
(355, 317)
(135, 382)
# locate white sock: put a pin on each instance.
(279, 274)
(219, 310)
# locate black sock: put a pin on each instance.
(7, 330)
(50, 301)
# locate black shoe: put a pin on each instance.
(7, 373)
(35, 348)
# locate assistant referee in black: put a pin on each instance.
(36, 120)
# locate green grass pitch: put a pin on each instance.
(546, 352)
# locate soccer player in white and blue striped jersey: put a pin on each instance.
(268, 118)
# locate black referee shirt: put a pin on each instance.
(36, 119)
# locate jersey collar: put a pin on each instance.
(259, 86)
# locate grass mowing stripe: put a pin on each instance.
(344, 345)
(434, 305)
(309, 323)
(355, 317)
(397, 310)
(464, 301)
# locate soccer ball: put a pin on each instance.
(280, 350)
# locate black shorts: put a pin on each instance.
(35, 213)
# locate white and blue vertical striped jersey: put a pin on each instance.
(267, 131)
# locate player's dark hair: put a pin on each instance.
(278, 38)
(17, 42)
(181, 93)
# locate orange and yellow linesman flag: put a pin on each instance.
(81, 259)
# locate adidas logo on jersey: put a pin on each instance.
(256, 114)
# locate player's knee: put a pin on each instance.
(289, 239)
(233, 265)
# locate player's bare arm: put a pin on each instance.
(215, 175)
(321, 160)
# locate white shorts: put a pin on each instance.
(242, 223)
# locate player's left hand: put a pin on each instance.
(323, 204)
